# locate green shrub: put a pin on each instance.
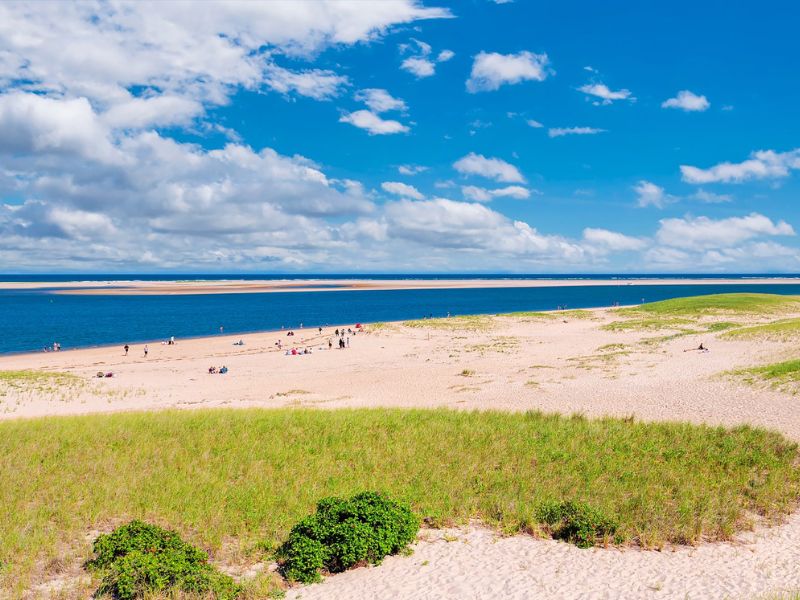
(342, 533)
(139, 558)
(577, 523)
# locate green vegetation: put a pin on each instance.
(648, 324)
(234, 481)
(465, 322)
(717, 304)
(783, 330)
(526, 314)
(139, 559)
(577, 313)
(783, 375)
(36, 380)
(577, 522)
(345, 532)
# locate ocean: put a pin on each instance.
(31, 320)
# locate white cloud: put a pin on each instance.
(606, 95)
(534, 124)
(491, 70)
(156, 111)
(763, 164)
(402, 189)
(710, 197)
(491, 168)
(561, 131)
(479, 194)
(374, 124)
(612, 240)
(445, 55)
(650, 194)
(421, 67)
(411, 169)
(379, 100)
(687, 101)
(702, 233)
(318, 84)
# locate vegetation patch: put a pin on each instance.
(234, 481)
(138, 560)
(462, 323)
(577, 313)
(503, 344)
(528, 314)
(577, 523)
(780, 331)
(783, 375)
(37, 380)
(717, 304)
(648, 324)
(343, 533)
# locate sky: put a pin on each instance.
(400, 136)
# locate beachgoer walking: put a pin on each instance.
(330, 344)
(126, 349)
(146, 350)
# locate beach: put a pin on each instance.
(569, 362)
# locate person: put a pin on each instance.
(320, 329)
(212, 370)
(330, 344)
(348, 341)
(146, 350)
(223, 370)
(221, 329)
(126, 349)
(337, 332)
(172, 340)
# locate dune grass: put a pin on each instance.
(530, 314)
(464, 322)
(235, 481)
(783, 375)
(783, 330)
(716, 304)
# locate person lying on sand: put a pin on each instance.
(700, 348)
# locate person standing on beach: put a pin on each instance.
(126, 349)
(145, 350)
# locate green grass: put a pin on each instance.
(648, 324)
(717, 304)
(527, 314)
(235, 481)
(784, 330)
(30, 378)
(783, 375)
(465, 322)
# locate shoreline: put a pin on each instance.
(234, 286)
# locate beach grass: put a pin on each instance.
(783, 330)
(459, 323)
(783, 375)
(235, 481)
(529, 314)
(716, 304)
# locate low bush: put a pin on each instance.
(577, 523)
(138, 559)
(343, 533)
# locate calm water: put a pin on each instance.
(32, 320)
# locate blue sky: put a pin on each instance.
(399, 136)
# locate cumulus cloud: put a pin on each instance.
(612, 240)
(491, 168)
(650, 194)
(606, 95)
(710, 197)
(402, 189)
(687, 101)
(763, 164)
(702, 233)
(533, 123)
(375, 125)
(379, 100)
(411, 169)
(561, 131)
(490, 70)
(318, 84)
(479, 194)
(422, 64)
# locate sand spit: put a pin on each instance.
(122, 287)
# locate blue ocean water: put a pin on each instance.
(30, 320)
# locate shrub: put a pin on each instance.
(342, 533)
(138, 558)
(576, 522)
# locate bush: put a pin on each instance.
(139, 558)
(577, 523)
(344, 533)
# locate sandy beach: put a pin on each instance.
(566, 363)
(138, 287)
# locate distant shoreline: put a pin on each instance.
(233, 286)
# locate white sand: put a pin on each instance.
(518, 364)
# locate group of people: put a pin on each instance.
(214, 371)
(56, 347)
